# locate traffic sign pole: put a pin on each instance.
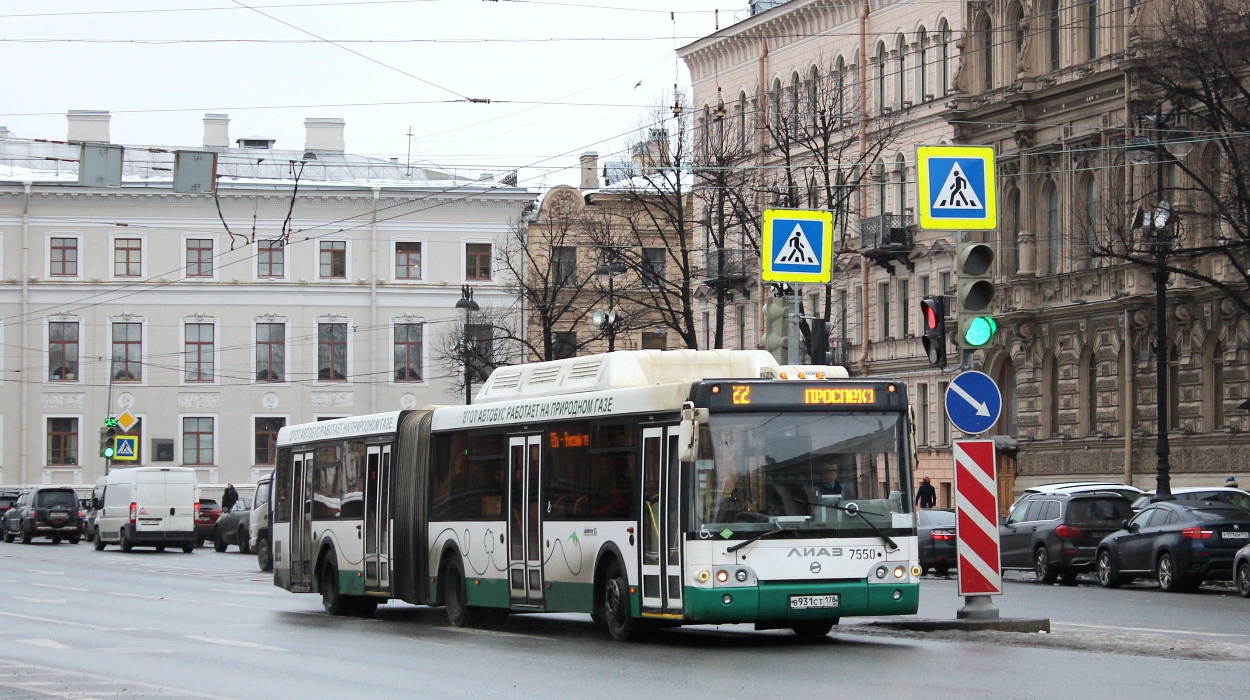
(792, 354)
(977, 547)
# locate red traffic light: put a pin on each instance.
(934, 340)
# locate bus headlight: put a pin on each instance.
(899, 571)
(882, 572)
(741, 575)
(703, 576)
(722, 576)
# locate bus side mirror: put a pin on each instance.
(691, 417)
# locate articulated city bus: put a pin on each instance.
(645, 488)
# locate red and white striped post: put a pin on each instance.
(976, 527)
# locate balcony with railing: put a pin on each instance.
(730, 265)
(888, 238)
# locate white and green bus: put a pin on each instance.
(645, 488)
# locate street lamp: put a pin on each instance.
(607, 321)
(466, 302)
(1173, 143)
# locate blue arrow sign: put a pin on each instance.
(973, 402)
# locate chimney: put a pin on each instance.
(88, 125)
(590, 170)
(217, 131)
(323, 134)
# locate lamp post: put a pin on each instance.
(1166, 143)
(607, 321)
(466, 302)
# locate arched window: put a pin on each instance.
(1051, 196)
(1091, 28)
(1174, 389)
(879, 176)
(1213, 385)
(741, 118)
(705, 125)
(944, 57)
(985, 30)
(881, 92)
(900, 184)
(813, 92)
(839, 88)
(922, 67)
(900, 48)
(1010, 248)
(1009, 424)
(1052, 33)
(1091, 225)
(774, 108)
(1015, 18)
(1050, 374)
(1090, 369)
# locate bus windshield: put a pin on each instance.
(801, 471)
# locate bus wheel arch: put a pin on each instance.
(450, 553)
(610, 571)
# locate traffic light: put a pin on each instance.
(933, 316)
(974, 268)
(818, 342)
(776, 328)
(108, 440)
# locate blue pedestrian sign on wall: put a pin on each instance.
(973, 402)
(127, 448)
(797, 246)
(956, 187)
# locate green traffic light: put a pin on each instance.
(979, 331)
(108, 452)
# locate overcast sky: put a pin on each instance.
(159, 65)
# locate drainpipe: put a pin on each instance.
(761, 141)
(373, 304)
(26, 375)
(865, 305)
(1128, 397)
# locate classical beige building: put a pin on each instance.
(311, 285)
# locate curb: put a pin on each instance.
(1006, 624)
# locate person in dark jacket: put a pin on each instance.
(926, 496)
(229, 498)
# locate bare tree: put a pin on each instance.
(482, 343)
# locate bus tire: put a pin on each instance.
(455, 598)
(334, 602)
(617, 619)
(264, 555)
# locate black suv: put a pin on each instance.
(46, 511)
(1056, 534)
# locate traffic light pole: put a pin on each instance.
(792, 353)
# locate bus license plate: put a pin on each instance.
(807, 602)
(1235, 535)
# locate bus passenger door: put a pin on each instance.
(377, 532)
(524, 521)
(301, 522)
(661, 522)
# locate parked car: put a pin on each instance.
(259, 525)
(233, 527)
(1057, 534)
(7, 501)
(1074, 487)
(148, 506)
(1214, 494)
(206, 520)
(44, 511)
(936, 534)
(1179, 543)
(1241, 571)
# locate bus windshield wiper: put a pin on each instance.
(753, 540)
(853, 509)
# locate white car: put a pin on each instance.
(148, 506)
(1073, 487)
(258, 525)
(1220, 494)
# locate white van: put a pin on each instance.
(259, 524)
(148, 506)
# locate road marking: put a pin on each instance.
(61, 588)
(134, 650)
(247, 624)
(48, 643)
(234, 643)
(45, 573)
(1148, 629)
(236, 592)
(55, 601)
(54, 621)
(135, 595)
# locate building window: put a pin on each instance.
(987, 52)
(199, 348)
(197, 441)
(477, 262)
(127, 257)
(1052, 229)
(408, 340)
(332, 351)
(653, 260)
(127, 352)
(900, 63)
(883, 303)
(1091, 216)
(1091, 28)
(563, 267)
(563, 344)
(270, 259)
(333, 260)
(922, 414)
(480, 344)
(63, 257)
(944, 426)
(922, 67)
(407, 260)
(270, 352)
(881, 79)
(900, 185)
(1091, 396)
(199, 257)
(1174, 390)
(62, 442)
(267, 440)
(904, 308)
(654, 340)
(944, 57)
(63, 351)
(1052, 31)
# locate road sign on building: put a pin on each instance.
(127, 448)
(973, 402)
(957, 190)
(976, 518)
(797, 246)
(126, 420)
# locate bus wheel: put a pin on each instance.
(454, 596)
(263, 555)
(333, 602)
(812, 631)
(617, 620)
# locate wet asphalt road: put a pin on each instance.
(75, 623)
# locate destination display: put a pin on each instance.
(743, 395)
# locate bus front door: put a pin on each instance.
(301, 522)
(525, 578)
(661, 523)
(377, 531)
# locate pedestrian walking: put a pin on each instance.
(229, 498)
(926, 496)
(1231, 482)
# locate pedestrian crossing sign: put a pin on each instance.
(127, 448)
(956, 188)
(797, 246)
